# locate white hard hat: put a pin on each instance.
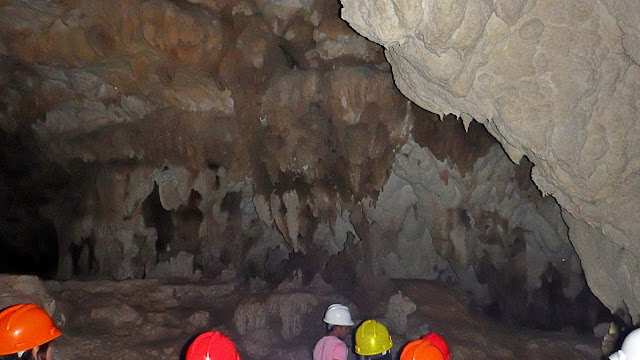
(338, 314)
(630, 347)
(618, 355)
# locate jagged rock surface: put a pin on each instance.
(556, 81)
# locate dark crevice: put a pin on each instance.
(156, 216)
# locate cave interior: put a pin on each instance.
(171, 167)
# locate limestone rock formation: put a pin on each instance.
(158, 109)
(476, 220)
(397, 311)
(254, 140)
(555, 81)
(28, 289)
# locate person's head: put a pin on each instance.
(25, 332)
(373, 341)
(212, 345)
(630, 347)
(338, 321)
(428, 347)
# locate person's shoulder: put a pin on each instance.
(335, 341)
(341, 344)
(322, 340)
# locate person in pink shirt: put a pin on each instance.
(338, 323)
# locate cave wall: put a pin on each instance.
(474, 219)
(154, 109)
(554, 81)
(256, 139)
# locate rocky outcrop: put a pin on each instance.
(554, 81)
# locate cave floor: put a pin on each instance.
(155, 319)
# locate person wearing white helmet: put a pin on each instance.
(630, 347)
(338, 325)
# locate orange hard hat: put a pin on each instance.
(421, 349)
(23, 327)
(212, 345)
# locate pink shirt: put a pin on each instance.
(330, 348)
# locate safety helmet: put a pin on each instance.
(23, 327)
(630, 347)
(212, 345)
(338, 314)
(422, 349)
(440, 343)
(372, 338)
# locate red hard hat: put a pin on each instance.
(212, 345)
(421, 350)
(424, 349)
(23, 327)
(440, 343)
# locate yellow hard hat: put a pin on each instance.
(372, 338)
